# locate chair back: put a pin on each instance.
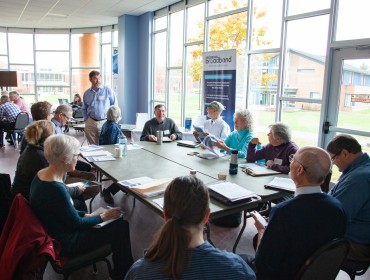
(141, 119)
(21, 122)
(325, 263)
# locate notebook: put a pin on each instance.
(188, 143)
(285, 184)
(255, 169)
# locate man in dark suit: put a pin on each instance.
(300, 226)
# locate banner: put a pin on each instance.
(115, 70)
(219, 74)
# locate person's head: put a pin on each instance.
(243, 120)
(160, 112)
(309, 166)
(279, 134)
(4, 99)
(41, 111)
(77, 98)
(13, 95)
(63, 113)
(38, 131)
(95, 79)
(186, 210)
(114, 114)
(344, 149)
(214, 109)
(62, 150)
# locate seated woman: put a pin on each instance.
(240, 137)
(111, 130)
(74, 229)
(179, 251)
(33, 160)
(277, 152)
(215, 125)
(77, 101)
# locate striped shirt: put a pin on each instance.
(9, 112)
(206, 262)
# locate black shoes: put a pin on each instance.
(107, 196)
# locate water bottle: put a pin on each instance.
(123, 144)
(233, 162)
(187, 124)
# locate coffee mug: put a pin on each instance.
(159, 137)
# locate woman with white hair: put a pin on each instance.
(111, 130)
(277, 152)
(74, 229)
(240, 137)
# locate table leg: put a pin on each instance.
(245, 216)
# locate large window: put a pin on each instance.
(282, 48)
(54, 64)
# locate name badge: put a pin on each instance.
(101, 97)
(166, 132)
(278, 161)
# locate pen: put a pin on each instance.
(110, 207)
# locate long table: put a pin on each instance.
(170, 160)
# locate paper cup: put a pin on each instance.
(118, 152)
(222, 175)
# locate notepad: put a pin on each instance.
(230, 193)
(90, 148)
(147, 187)
(98, 212)
(285, 184)
(254, 169)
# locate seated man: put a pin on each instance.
(300, 226)
(353, 191)
(215, 125)
(8, 115)
(160, 122)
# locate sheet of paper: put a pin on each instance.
(134, 147)
(96, 153)
(90, 148)
(231, 191)
(159, 201)
(103, 158)
(135, 181)
(282, 183)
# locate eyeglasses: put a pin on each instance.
(291, 159)
(335, 156)
(64, 115)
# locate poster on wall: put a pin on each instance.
(219, 74)
(115, 70)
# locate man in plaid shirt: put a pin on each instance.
(8, 114)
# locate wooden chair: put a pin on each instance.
(325, 263)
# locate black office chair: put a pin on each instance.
(20, 124)
(81, 261)
(354, 269)
(325, 263)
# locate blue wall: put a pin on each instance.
(134, 62)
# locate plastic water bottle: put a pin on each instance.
(123, 145)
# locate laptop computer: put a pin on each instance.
(63, 101)
(188, 143)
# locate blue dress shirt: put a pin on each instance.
(96, 103)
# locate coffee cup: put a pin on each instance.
(118, 152)
(159, 137)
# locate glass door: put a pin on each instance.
(348, 105)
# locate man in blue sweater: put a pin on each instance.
(353, 191)
(300, 226)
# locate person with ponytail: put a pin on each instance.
(179, 250)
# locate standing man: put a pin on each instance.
(8, 115)
(160, 122)
(300, 226)
(353, 191)
(96, 102)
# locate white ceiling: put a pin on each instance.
(72, 13)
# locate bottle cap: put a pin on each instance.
(234, 151)
(193, 172)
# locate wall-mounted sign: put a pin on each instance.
(364, 98)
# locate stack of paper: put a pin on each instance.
(230, 193)
(90, 148)
(98, 212)
(147, 187)
(209, 143)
